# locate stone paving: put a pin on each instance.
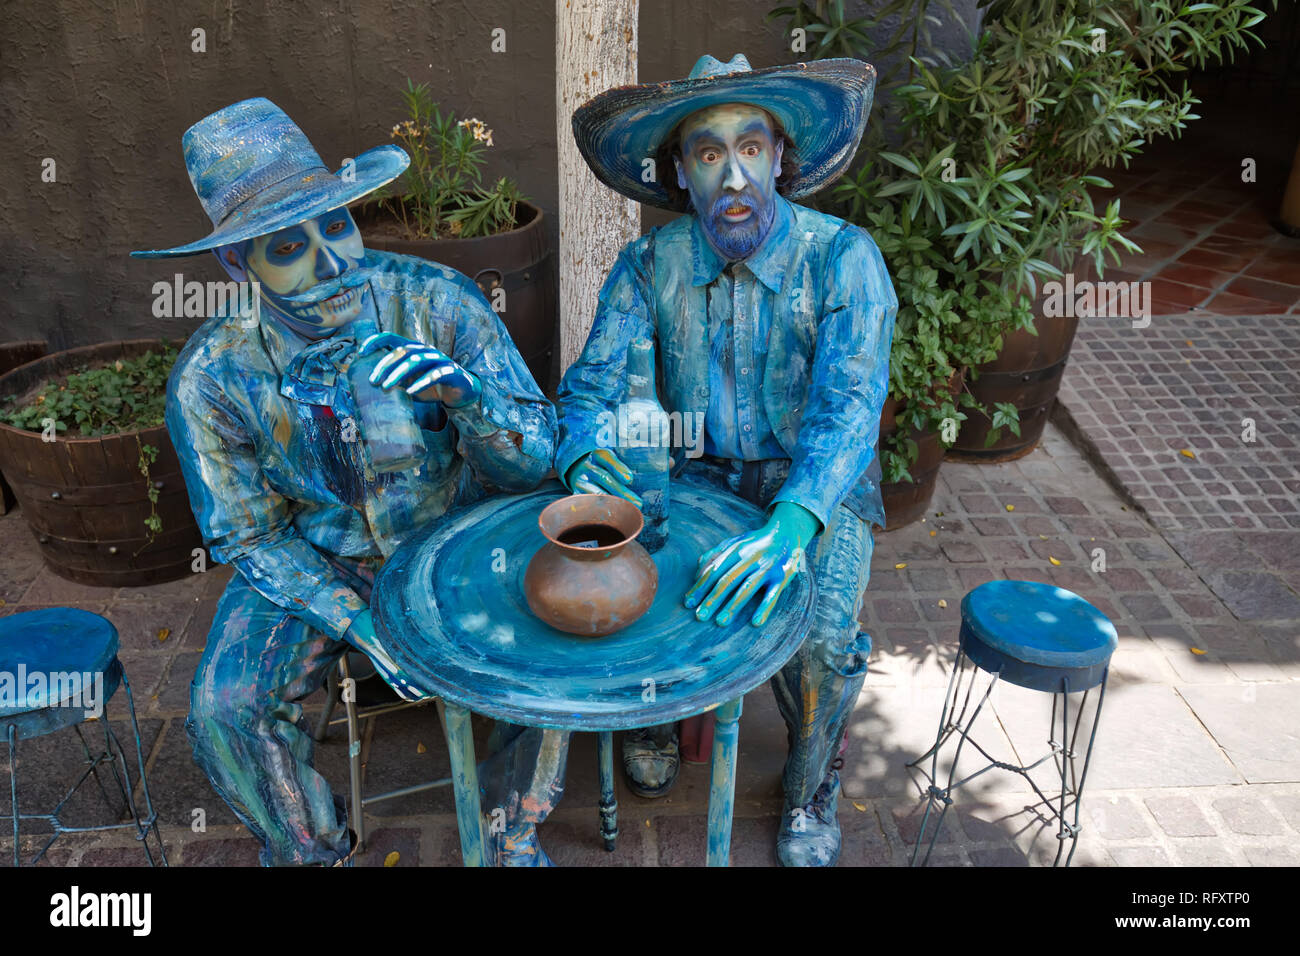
(1197, 759)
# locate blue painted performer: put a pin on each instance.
(365, 395)
(773, 326)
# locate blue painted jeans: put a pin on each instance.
(248, 730)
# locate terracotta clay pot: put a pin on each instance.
(591, 577)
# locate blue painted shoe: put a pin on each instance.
(651, 761)
(810, 835)
(521, 848)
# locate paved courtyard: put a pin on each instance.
(1197, 758)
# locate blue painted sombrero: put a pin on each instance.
(823, 106)
(255, 172)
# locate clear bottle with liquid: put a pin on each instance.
(644, 443)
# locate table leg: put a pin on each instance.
(722, 788)
(464, 781)
(608, 805)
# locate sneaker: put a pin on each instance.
(520, 848)
(810, 835)
(651, 769)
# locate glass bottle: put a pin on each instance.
(644, 443)
(392, 440)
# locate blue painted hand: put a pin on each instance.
(601, 472)
(426, 374)
(361, 635)
(767, 558)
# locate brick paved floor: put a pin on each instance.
(1197, 761)
(1207, 243)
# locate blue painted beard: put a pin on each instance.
(305, 311)
(737, 241)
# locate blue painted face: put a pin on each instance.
(729, 163)
(312, 275)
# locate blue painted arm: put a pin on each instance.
(508, 433)
(244, 521)
(594, 384)
(850, 380)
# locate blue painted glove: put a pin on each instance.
(601, 472)
(426, 374)
(767, 558)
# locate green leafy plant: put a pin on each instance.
(976, 178)
(127, 395)
(124, 396)
(440, 195)
(149, 455)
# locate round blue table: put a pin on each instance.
(449, 607)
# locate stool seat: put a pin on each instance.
(47, 654)
(1037, 635)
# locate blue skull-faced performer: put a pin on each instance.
(772, 325)
(364, 395)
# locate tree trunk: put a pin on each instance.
(595, 49)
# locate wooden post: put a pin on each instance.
(595, 49)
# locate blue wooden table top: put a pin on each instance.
(449, 607)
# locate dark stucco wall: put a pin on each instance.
(106, 88)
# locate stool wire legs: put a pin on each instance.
(1070, 831)
(115, 756)
(608, 803)
(13, 783)
(1062, 752)
(948, 724)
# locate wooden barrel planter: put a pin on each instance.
(12, 355)
(906, 501)
(1027, 374)
(517, 262)
(85, 498)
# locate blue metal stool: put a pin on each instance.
(55, 665)
(1036, 636)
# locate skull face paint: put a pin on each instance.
(730, 160)
(312, 275)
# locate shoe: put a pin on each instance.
(651, 769)
(810, 835)
(521, 848)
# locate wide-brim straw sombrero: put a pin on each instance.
(255, 172)
(823, 106)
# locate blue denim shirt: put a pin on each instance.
(275, 489)
(736, 425)
(828, 306)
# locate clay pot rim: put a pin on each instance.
(615, 504)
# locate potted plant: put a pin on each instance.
(975, 180)
(440, 210)
(82, 442)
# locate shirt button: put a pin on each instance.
(744, 371)
(748, 428)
